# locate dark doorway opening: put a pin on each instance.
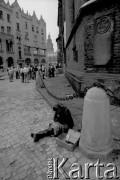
(28, 61)
(10, 61)
(36, 61)
(43, 61)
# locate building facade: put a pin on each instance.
(22, 36)
(90, 38)
(51, 54)
(60, 39)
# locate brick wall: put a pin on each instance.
(88, 43)
(84, 41)
(113, 14)
(116, 42)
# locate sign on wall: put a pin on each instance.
(98, 40)
(103, 40)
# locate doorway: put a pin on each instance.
(10, 61)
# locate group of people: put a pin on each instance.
(48, 71)
(27, 72)
(51, 71)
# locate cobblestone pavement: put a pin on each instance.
(22, 111)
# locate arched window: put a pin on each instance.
(36, 61)
(28, 61)
(43, 61)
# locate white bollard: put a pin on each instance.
(96, 138)
(39, 80)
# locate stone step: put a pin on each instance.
(101, 76)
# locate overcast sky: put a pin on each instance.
(48, 9)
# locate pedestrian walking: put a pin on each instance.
(28, 75)
(30, 71)
(43, 71)
(16, 71)
(25, 70)
(50, 71)
(11, 74)
(35, 71)
(22, 74)
(53, 71)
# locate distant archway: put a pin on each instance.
(36, 61)
(10, 61)
(43, 61)
(28, 61)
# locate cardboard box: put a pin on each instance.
(69, 141)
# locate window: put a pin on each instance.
(19, 39)
(17, 15)
(42, 32)
(1, 15)
(26, 25)
(19, 52)
(42, 40)
(35, 38)
(18, 27)
(75, 54)
(9, 46)
(27, 50)
(8, 17)
(26, 36)
(42, 51)
(2, 29)
(8, 30)
(35, 50)
(36, 29)
(32, 27)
